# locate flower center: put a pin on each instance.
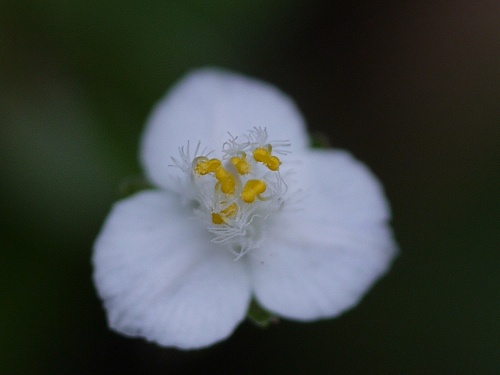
(238, 193)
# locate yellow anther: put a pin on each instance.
(263, 155)
(260, 154)
(205, 165)
(273, 163)
(241, 164)
(226, 180)
(252, 190)
(217, 218)
(220, 217)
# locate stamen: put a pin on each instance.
(226, 180)
(241, 164)
(252, 190)
(204, 165)
(229, 190)
(263, 155)
(217, 218)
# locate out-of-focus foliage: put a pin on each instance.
(411, 89)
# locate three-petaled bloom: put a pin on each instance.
(237, 216)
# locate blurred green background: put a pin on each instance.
(411, 88)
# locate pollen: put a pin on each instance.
(252, 190)
(263, 155)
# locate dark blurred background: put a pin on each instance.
(411, 88)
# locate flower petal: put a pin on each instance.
(161, 278)
(319, 261)
(207, 105)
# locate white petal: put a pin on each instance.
(342, 188)
(319, 261)
(160, 277)
(207, 105)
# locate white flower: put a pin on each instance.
(244, 209)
